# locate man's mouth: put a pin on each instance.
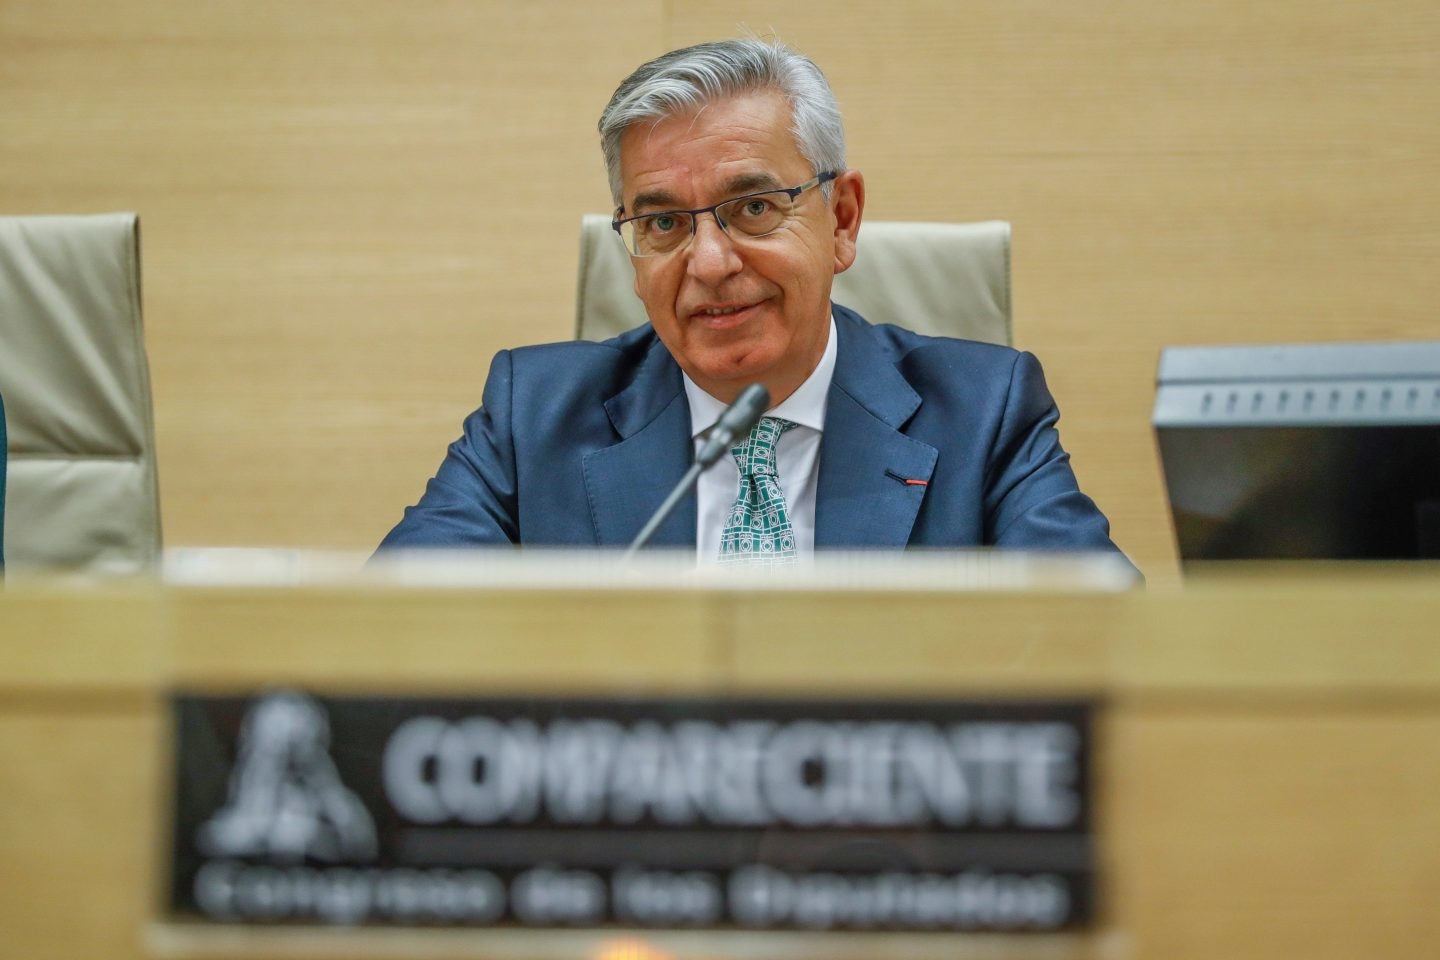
(723, 314)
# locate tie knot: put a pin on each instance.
(755, 455)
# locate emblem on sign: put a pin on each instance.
(286, 799)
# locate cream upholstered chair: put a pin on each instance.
(950, 279)
(4, 449)
(82, 488)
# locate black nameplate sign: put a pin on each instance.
(715, 813)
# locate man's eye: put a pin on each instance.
(756, 207)
(663, 223)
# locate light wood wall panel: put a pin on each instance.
(348, 207)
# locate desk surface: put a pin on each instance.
(877, 628)
(1267, 742)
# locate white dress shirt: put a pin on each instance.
(797, 458)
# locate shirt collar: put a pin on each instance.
(806, 406)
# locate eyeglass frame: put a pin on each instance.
(819, 179)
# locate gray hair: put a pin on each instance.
(684, 80)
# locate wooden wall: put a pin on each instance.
(348, 207)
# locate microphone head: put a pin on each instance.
(737, 419)
(748, 408)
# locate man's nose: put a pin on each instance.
(712, 254)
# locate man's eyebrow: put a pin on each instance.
(752, 183)
(657, 199)
(734, 187)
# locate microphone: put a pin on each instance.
(736, 421)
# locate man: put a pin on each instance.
(727, 165)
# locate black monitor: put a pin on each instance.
(1308, 451)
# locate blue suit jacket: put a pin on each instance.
(577, 444)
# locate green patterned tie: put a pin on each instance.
(758, 529)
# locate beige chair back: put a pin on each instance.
(4, 453)
(947, 279)
(82, 489)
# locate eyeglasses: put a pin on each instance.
(742, 218)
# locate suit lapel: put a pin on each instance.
(626, 482)
(862, 498)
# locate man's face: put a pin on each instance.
(757, 310)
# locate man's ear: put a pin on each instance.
(848, 202)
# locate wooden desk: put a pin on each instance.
(1268, 776)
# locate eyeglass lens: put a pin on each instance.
(743, 217)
